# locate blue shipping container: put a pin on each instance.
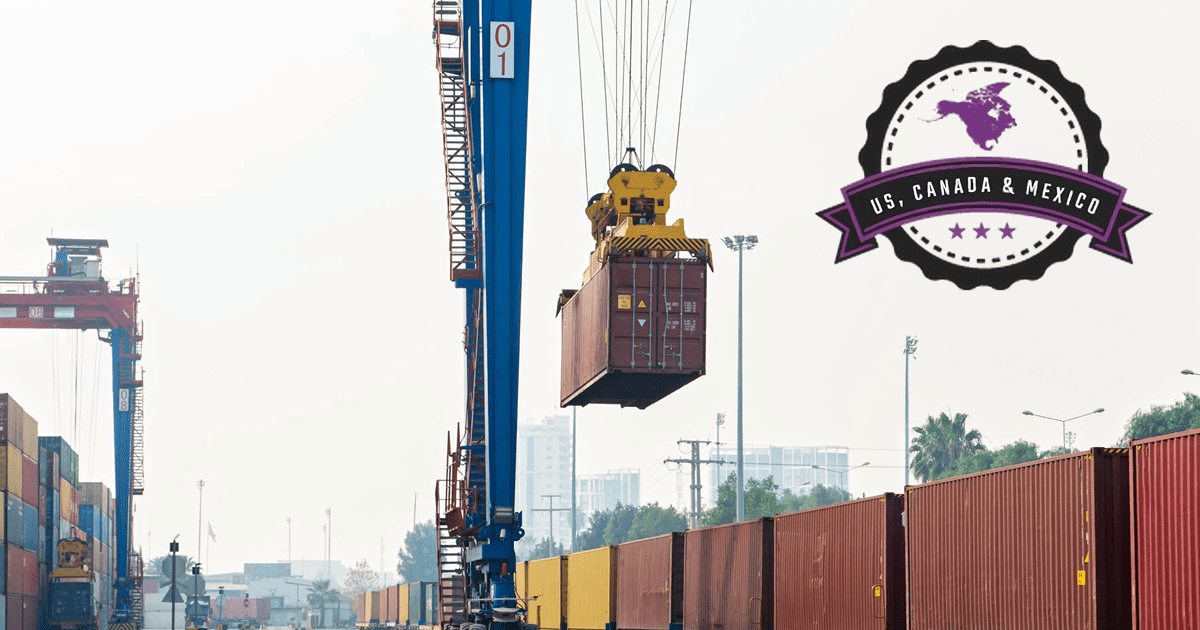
(30, 535)
(88, 521)
(14, 519)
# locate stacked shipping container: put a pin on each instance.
(39, 484)
(22, 505)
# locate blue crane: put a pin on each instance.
(483, 69)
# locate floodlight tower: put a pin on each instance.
(739, 244)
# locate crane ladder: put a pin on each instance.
(462, 210)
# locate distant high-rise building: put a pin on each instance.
(603, 492)
(791, 467)
(544, 468)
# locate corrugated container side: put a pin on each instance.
(1166, 531)
(727, 577)
(360, 607)
(545, 579)
(14, 520)
(15, 613)
(418, 603)
(385, 606)
(844, 566)
(29, 481)
(402, 604)
(591, 581)
(12, 422)
(30, 536)
(14, 482)
(29, 438)
(649, 589)
(635, 332)
(1038, 545)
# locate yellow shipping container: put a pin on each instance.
(592, 589)
(30, 444)
(372, 607)
(64, 500)
(15, 475)
(402, 613)
(546, 580)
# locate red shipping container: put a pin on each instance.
(650, 583)
(12, 422)
(728, 576)
(30, 619)
(1165, 486)
(15, 615)
(841, 566)
(635, 332)
(1038, 545)
(29, 482)
(360, 608)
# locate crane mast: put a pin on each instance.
(483, 65)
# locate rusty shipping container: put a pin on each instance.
(635, 332)
(650, 583)
(728, 577)
(841, 566)
(1165, 487)
(12, 422)
(1038, 545)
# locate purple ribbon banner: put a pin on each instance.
(888, 200)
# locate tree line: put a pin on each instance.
(944, 447)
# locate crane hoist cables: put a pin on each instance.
(634, 50)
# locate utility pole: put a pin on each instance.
(289, 521)
(720, 456)
(695, 461)
(328, 544)
(574, 480)
(551, 510)
(910, 348)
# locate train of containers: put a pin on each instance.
(1105, 539)
(44, 502)
(411, 605)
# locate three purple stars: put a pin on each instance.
(981, 231)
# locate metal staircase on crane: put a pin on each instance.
(465, 243)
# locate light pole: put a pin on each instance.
(328, 544)
(1064, 422)
(199, 519)
(740, 243)
(289, 522)
(910, 348)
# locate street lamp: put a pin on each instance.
(1064, 422)
(842, 472)
(910, 348)
(740, 243)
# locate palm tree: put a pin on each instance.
(940, 442)
(321, 593)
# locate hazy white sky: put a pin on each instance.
(274, 169)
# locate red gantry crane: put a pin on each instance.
(74, 295)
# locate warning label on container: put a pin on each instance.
(624, 301)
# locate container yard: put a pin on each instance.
(46, 504)
(641, 340)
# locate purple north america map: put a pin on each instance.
(984, 112)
